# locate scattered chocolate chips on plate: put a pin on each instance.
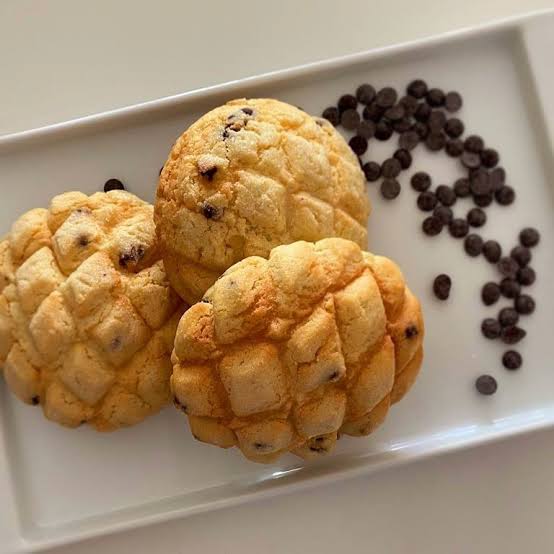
(486, 384)
(441, 286)
(425, 115)
(420, 181)
(113, 184)
(491, 328)
(473, 245)
(512, 360)
(490, 293)
(432, 225)
(390, 189)
(372, 171)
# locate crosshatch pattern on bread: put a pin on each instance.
(87, 315)
(284, 354)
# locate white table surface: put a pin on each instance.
(62, 59)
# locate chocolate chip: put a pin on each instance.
(410, 105)
(432, 226)
(444, 214)
(491, 328)
(402, 125)
(473, 245)
(350, 119)
(423, 112)
(132, 255)
(391, 168)
(417, 88)
(411, 331)
(476, 217)
(511, 360)
(508, 317)
(458, 228)
(454, 147)
(35, 400)
(365, 94)
(512, 334)
(262, 446)
(521, 255)
(390, 189)
(480, 183)
(482, 200)
(421, 129)
(161, 169)
(404, 157)
(383, 130)
(420, 181)
(524, 304)
(526, 276)
(250, 111)
(347, 102)
(116, 343)
(83, 240)
(333, 376)
(474, 143)
(113, 184)
(209, 211)
(435, 141)
(437, 121)
(509, 288)
(529, 237)
(445, 195)
(486, 384)
(408, 140)
(208, 172)
(441, 286)
(490, 293)
(386, 97)
(497, 178)
(358, 144)
(426, 201)
(471, 160)
(489, 157)
(462, 188)
(332, 115)
(453, 101)
(395, 113)
(318, 449)
(373, 113)
(454, 128)
(365, 129)
(372, 171)
(435, 97)
(492, 251)
(508, 267)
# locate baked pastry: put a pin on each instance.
(249, 176)
(87, 315)
(285, 353)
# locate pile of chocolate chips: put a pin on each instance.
(423, 115)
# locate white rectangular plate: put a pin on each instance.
(61, 485)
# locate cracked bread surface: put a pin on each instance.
(286, 353)
(87, 315)
(248, 176)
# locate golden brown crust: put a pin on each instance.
(87, 315)
(248, 176)
(286, 353)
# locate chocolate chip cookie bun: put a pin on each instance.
(87, 315)
(249, 176)
(284, 354)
